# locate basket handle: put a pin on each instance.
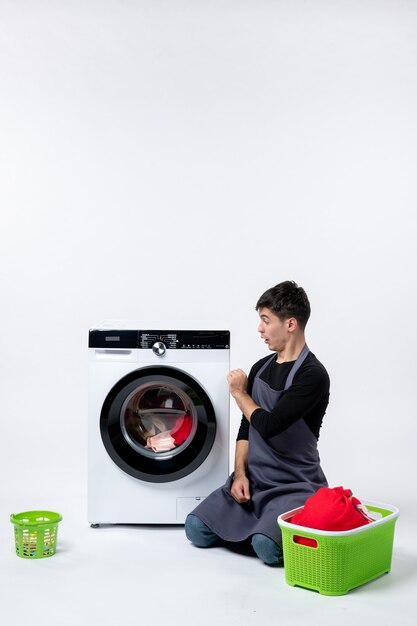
(305, 541)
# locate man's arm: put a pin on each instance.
(238, 385)
(240, 486)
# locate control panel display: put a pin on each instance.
(186, 339)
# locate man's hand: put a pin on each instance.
(240, 489)
(238, 382)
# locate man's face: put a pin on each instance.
(273, 331)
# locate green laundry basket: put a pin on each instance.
(35, 533)
(337, 562)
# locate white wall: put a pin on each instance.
(175, 159)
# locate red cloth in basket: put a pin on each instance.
(330, 509)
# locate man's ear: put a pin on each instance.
(292, 324)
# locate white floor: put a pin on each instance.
(145, 575)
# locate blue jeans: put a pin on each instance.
(203, 537)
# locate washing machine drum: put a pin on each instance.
(158, 424)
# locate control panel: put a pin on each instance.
(160, 340)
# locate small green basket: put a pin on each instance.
(338, 561)
(35, 533)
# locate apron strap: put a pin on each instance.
(300, 360)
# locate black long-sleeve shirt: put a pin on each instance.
(306, 399)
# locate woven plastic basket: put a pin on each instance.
(338, 561)
(35, 533)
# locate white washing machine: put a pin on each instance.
(158, 419)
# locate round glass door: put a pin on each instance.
(158, 424)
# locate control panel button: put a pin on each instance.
(159, 348)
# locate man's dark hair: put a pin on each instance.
(286, 300)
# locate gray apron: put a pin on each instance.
(283, 472)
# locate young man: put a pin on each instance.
(277, 465)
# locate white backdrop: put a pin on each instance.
(175, 158)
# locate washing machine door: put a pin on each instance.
(158, 424)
